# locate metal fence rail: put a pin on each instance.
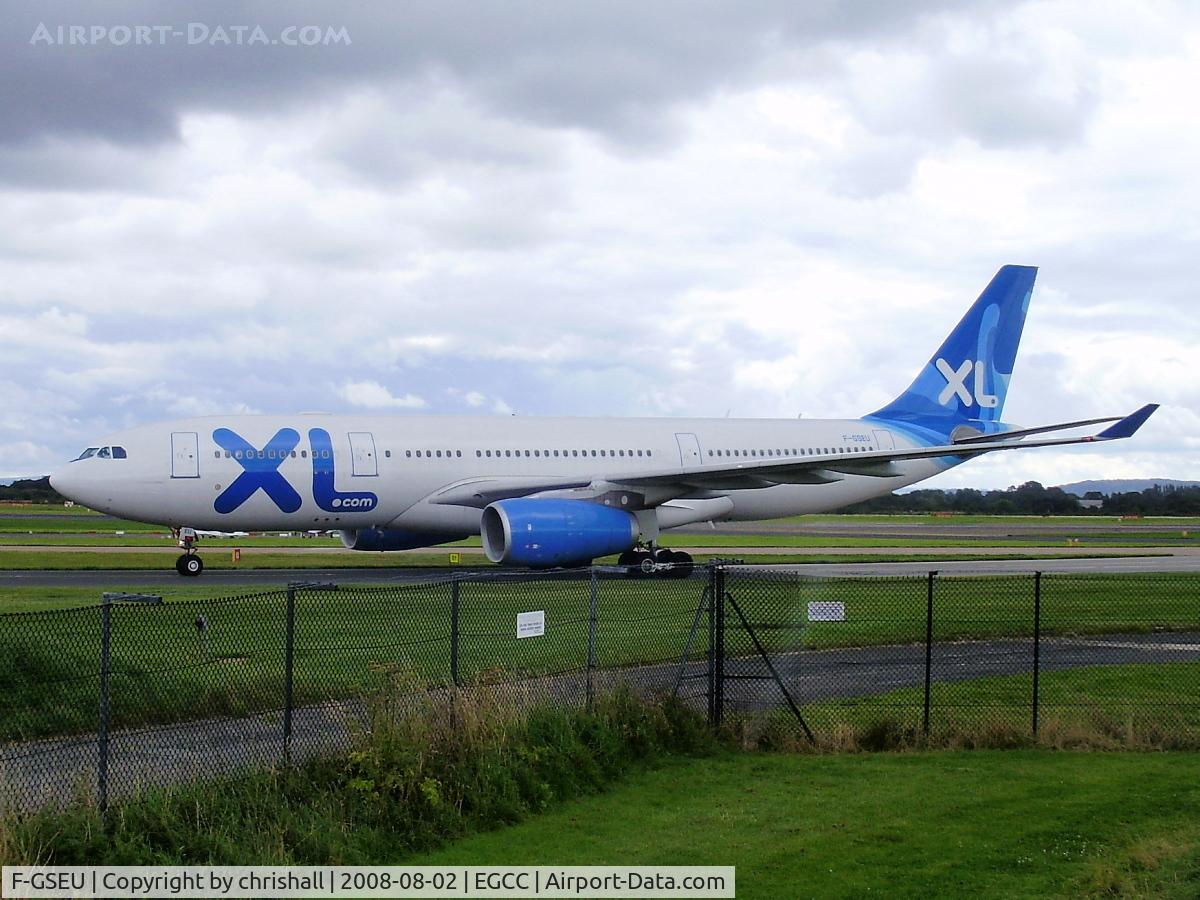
(99, 702)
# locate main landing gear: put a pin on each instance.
(643, 563)
(189, 564)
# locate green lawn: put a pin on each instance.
(1120, 705)
(980, 824)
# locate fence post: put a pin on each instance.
(289, 664)
(454, 604)
(928, 649)
(593, 602)
(718, 598)
(712, 643)
(102, 736)
(1037, 643)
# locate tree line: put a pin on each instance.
(1033, 499)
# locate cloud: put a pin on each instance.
(373, 395)
(674, 209)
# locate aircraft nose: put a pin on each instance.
(65, 482)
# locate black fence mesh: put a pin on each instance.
(102, 701)
(941, 655)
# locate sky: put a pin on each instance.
(565, 208)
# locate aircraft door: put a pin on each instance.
(185, 454)
(883, 440)
(362, 450)
(689, 450)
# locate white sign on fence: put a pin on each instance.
(827, 611)
(531, 624)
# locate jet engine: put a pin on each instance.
(545, 533)
(392, 539)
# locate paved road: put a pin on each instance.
(53, 771)
(225, 579)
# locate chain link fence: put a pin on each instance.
(971, 656)
(102, 701)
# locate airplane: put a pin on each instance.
(551, 492)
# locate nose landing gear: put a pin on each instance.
(189, 564)
(661, 562)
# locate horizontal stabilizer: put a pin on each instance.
(1129, 425)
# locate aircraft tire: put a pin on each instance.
(189, 565)
(683, 565)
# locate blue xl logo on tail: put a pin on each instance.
(260, 471)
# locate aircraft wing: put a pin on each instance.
(660, 486)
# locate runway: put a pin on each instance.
(225, 579)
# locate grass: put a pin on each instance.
(71, 525)
(87, 560)
(451, 764)
(349, 643)
(1144, 706)
(465, 779)
(947, 824)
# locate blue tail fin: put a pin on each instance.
(967, 379)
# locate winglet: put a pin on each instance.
(1128, 425)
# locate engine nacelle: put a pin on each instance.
(393, 539)
(545, 533)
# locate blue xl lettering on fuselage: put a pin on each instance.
(260, 471)
(328, 497)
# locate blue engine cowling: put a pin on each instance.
(393, 539)
(545, 533)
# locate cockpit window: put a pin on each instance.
(102, 453)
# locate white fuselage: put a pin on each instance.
(384, 469)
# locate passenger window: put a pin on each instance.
(304, 454)
(458, 453)
(537, 452)
(216, 454)
(237, 454)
